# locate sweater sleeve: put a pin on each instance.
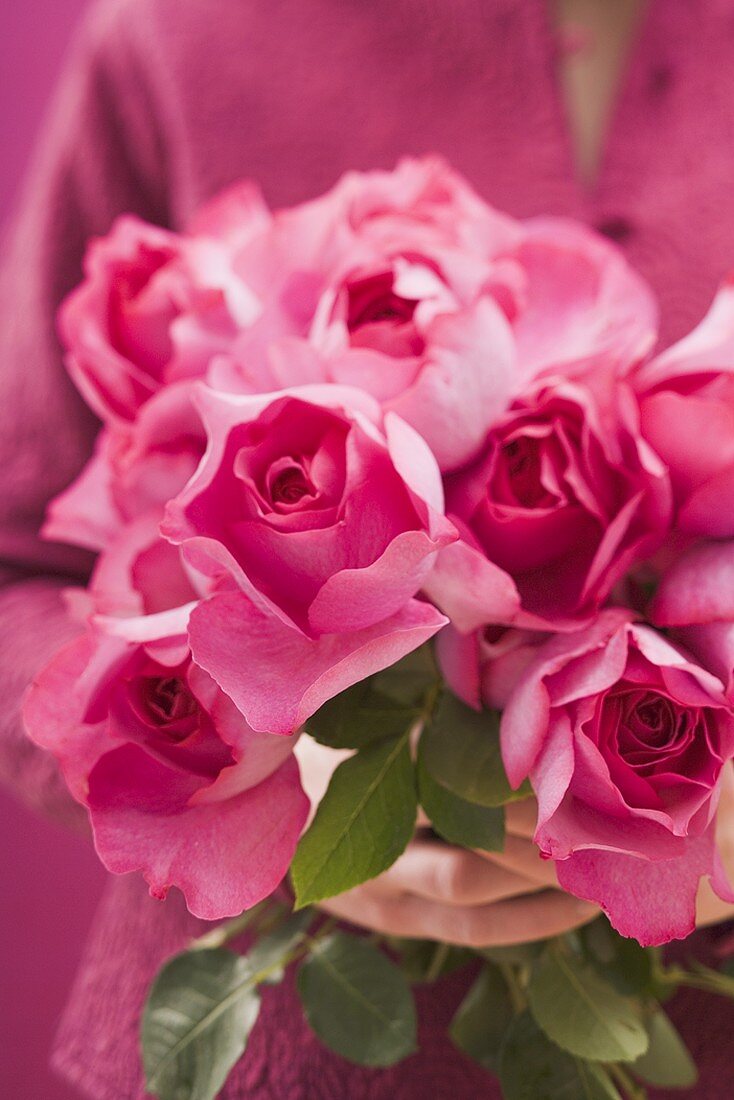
(102, 153)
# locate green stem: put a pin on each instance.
(517, 993)
(437, 962)
(709, 982)
(631, 1089)
(231, 929)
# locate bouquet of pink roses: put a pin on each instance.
(399, 473)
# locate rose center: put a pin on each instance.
(521, 480)
(379, 318)
(169, 702)
(651, 724)
(289, 483)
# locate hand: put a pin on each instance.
(439, 892)
(710, 909)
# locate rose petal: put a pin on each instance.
(278, 677)
(223, 856)
(697, 588)
(652, 902)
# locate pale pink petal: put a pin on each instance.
(278, 677)
(709, 348)
(414, 461)
(53, 714)
(525, 720)
(140, 573)
(238, 211)
(465, 384)
(85, 514)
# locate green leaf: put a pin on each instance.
(362, 825)
(460, 749)
(458, 821)
(196, 1023)
(483, 1017)
(408, 681)
(666, 1063)
(358, 717)
(581, 1012)
(201, 1010)
(533, 1068)
(621, 961)
(357, 1001)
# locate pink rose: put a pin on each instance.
(572, 299)
(381, 283)
(624, 739)
(328, 523)
(154, 307)
(116, 504)
(563, 499)
(176, 783)
(687, 410)
(409, 286)
(321, 517)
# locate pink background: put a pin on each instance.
(49, 880)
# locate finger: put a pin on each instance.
(521, 818)
(523, 858)
(516, 920)
(455, 876)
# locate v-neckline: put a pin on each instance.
(589, 194)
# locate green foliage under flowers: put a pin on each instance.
(362, 825)
(357, 1001)
(579, 1017)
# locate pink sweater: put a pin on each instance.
(164, 102)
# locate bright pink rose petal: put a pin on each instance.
(224, 856)
(654, 902)
(278, 677)
(357, 598)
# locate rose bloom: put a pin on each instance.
(176, 783)
(687, 409)
(624, 738)
(379, 284)
(564, 497)
(155, 305)
(571, 297)
(116, 504)
(409, 286)
(326, 522)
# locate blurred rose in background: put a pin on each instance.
(50, 880)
